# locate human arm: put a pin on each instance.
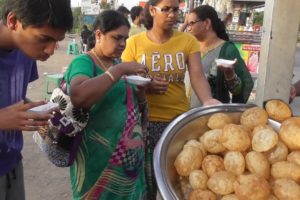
(183, 26)
(86, 91)
(17, 117)
(297, 88)
(198, 80)
(158, 84)
(240, 82)
(295, 91)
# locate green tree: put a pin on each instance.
(1, 8)
(105, 5)
(258, 18)
(77, 20)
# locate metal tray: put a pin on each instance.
(190, 125)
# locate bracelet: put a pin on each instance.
(110, 76)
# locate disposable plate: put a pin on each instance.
(224, 62)
(137, 80)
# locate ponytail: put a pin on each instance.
(220, 29)
(148, 19)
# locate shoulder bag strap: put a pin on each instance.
(94, 64)
(63, 84)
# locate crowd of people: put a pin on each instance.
(115, 157)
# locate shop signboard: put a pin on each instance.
(90, 7)
(250, 54)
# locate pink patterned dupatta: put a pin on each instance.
(127, 160)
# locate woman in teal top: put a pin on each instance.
(204, 24)
(109, 162)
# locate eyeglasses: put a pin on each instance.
(189, 25)
(167, 10)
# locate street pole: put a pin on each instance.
(278, 48)
(191, 4)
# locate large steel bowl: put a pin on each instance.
(190, 125)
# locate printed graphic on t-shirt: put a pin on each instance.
(171, 68)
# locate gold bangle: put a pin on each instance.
(110, 76)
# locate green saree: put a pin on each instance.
(110, 160)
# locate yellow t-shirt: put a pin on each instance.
(165, 60)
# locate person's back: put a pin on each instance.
(124, 11)
(85, 34)
(27, 34)
(137, 16)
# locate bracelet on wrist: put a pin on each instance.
(110, 76)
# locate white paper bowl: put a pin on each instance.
(137, 80)
(224, 62)
(44, 108)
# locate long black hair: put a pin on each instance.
(207, 12)
(56, 13)
(109, 20)
(148, 19)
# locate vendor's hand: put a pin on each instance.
(158, 85)
(293, 93)
(133, 68)
(17, 117)
(211, 102)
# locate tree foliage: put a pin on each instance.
(77, 20)
(105, 5)
(1, 8)
(258, 18)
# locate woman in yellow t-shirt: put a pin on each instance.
(166, 52)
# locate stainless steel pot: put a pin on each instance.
(190, 125)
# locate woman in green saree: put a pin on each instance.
(233, 84)
(110, 160)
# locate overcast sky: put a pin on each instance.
(127, 3)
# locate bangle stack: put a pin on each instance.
(110, 75)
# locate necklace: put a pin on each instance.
(99, 60)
